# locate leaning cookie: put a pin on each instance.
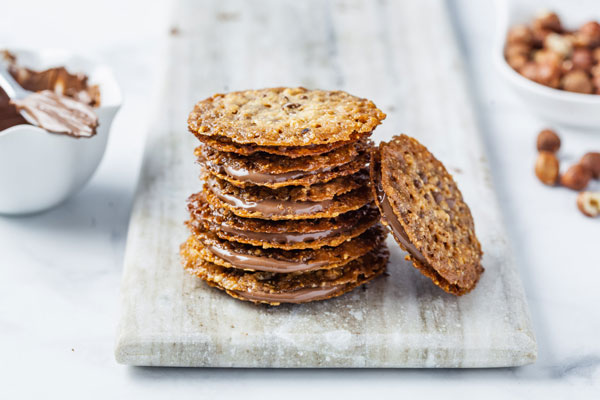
(424, 209)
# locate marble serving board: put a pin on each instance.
(403, 56)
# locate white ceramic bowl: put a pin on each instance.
(39, 170)
(557, 106)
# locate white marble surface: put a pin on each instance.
(60, 271)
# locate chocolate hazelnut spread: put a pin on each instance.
(268, 264)
(389, 216)
(59, 114)
(283, 238)
(271, 207)
(297, 296)
(57, 79)
(258, 177)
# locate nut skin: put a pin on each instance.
(589, 203)
(548, 140)
(577, 81)
(591, 161)
(546, 168)
(577, 177)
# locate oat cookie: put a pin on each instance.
(425, 211)
(285, 117)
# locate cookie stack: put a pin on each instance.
(286, 214)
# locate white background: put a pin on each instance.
(60, 270)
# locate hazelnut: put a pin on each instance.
(546, 168)
(539, 35)
(596, 55)
(589, 203)
(517, 62)
(596, 82)
(548, 140)
(589, 33)
(577, 177)
(582, 59)
(516, 49)
(546, 74)
(566, 66)
(519, 34)
(549, 57)
(577, 81)
(546, 19)
(558, 44)
(591, 161)
(549, 75)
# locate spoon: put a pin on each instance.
(14, 91)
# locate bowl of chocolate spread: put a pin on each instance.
(40, 168)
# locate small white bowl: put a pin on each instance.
(557, 106)
(38, 169)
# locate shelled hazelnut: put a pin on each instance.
(548, 140)
(548, 20)
(591, 161)
(519, 34)
(577, 81)
(546, 53)
(582, 59)
(590, 33)
(589, 203)
(576, 177)
(546, 168)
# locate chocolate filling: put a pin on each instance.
(259, 178)
(296, 296)
(392, 220)
(283, 238)
(271, 207)
(59, 114)
(247, 261)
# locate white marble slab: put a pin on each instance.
(413, 71)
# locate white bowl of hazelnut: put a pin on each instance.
(551, 59)
(40, 169)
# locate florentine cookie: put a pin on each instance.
(222, 143)
(239, 176)
(316, 192)
(274, 209)
(285, 117)
(425, 211)
(283, 234)
(274, 164)
(243, 256)
(275, 288)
